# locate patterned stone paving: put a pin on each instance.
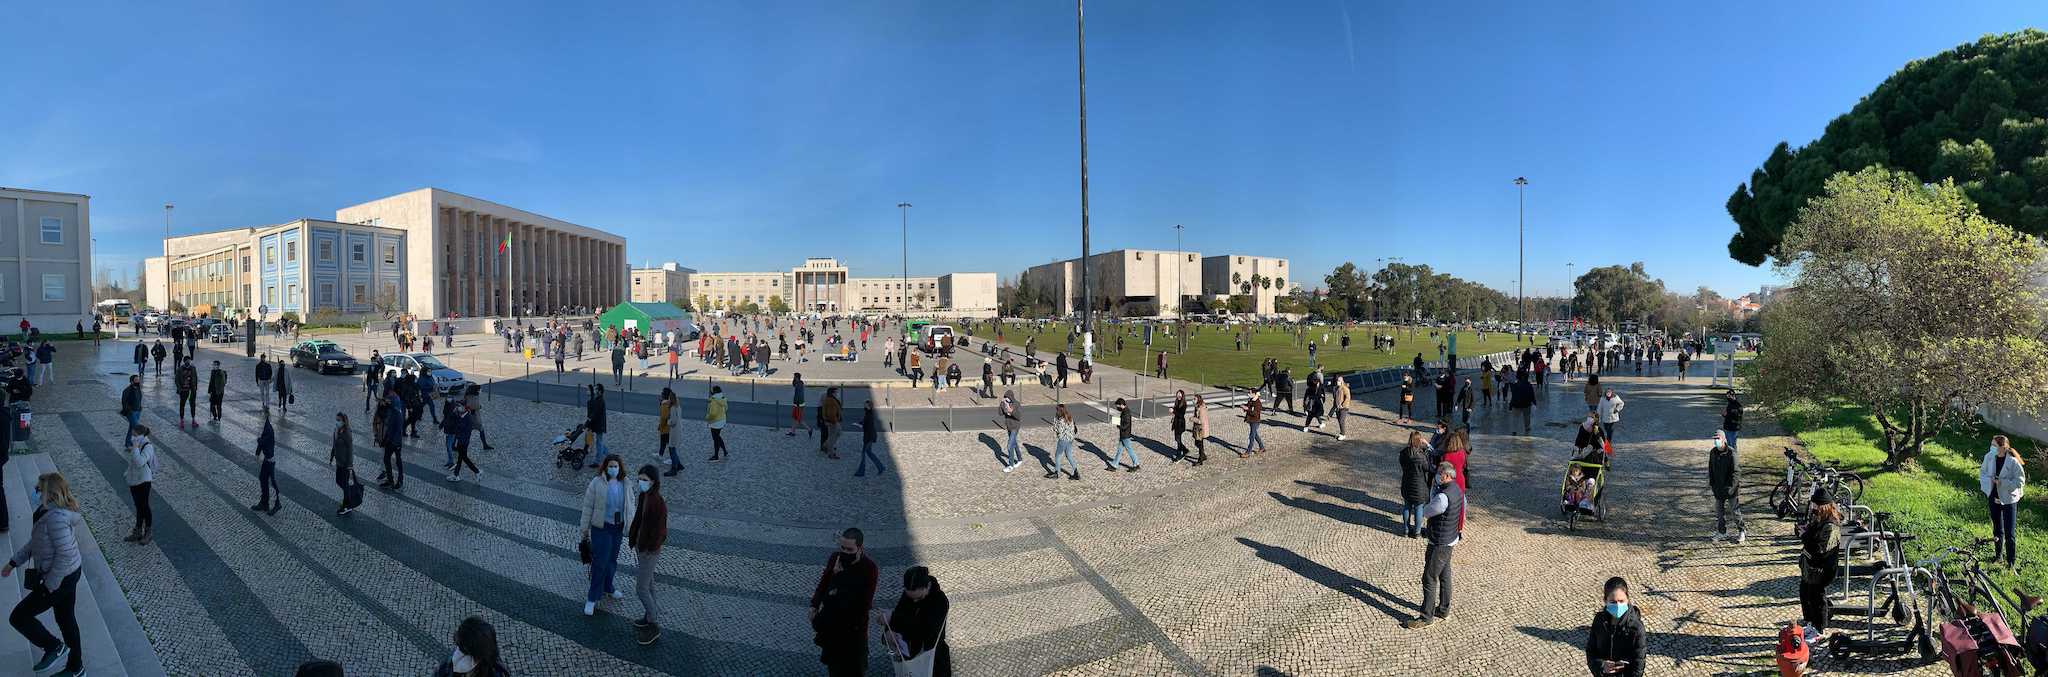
(1281, 564)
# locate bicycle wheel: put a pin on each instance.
(1852, 486)
(1781, 499)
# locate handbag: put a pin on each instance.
(922, 664)
(31, 579)
(583, 549)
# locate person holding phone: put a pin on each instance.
(1615, 646)
(841, 604)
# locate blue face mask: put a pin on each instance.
(1617, 609)
(35, 497)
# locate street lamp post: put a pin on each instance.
(167, 257)
(1081, 59)
(1571, 298)
(1179, 300)
(904, 300)
(1521, 270)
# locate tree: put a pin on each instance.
(1972, 114)
(177, 307)
(1610, 294)
(703, 302)
(777, 305)
(1908, 302)
(1348, 288)
(680, 303)
(1241, 304)
(749, 308)
(920, 298)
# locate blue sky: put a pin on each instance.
(744, 136)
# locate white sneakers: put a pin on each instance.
(618, 594)
(589, 608)
(1009, 467)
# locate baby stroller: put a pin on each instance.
(572, 447)
(1583, 490)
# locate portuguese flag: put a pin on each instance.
(505, 243)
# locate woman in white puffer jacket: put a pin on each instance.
(2003, 480)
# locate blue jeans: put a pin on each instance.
(1064, 449)
(134, 417)
(867, 451)
(604, 560)
(1253, 439)
(1731, 435)
(1123, 448)
(1013, 453)
(1411, 518)
(602, 450)
(450, 445)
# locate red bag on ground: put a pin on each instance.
(1793, 651)
(1981, 646)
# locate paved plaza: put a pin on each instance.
(1283, 564)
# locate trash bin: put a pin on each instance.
(19, 417)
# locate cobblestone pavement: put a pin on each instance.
(1282, 564)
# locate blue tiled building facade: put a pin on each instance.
(308, 265)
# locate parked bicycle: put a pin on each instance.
(1793, 495)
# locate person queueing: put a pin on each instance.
(645, 534)
(917, 626)
(141, 358)
(187, 381)
(2003, 480)
(284, 390)
(390, 430)
(266, 475)
(1442, 515)
(1616, 646)
(870, 431)
(1201, 430)
(1723, 476)
(476, 652)
(156, 353)
(1124, 438)
(840, 606)
(1415, 469)
(457, 423)
(53, 547)
(216, 389)
(341, 455)
(263, 373)
(666, 407)
(1063, 432)
(714, 418)
(141, 472)
(610, 502)
(1820, 552)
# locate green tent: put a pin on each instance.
(647, 317)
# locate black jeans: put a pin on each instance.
(462, 458)
(139, 493)
(394, 463)
(61, 600)
(1436, 581)
(1723, 508)
(266, 482)
(188, 400)
(2002, 527)
(717, 442)
(1814, 605)
(213, 406)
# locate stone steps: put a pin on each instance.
(113, 639)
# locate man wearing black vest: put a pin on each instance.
(1444, 512)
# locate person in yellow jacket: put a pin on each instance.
(714, 416)
(668, 410)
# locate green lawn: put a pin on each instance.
(1937, 497)
(1213, 358)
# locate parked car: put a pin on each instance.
(221, 332)
(323, 356)
(446, 380)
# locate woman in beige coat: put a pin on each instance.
(1199, 424)
(609, 503)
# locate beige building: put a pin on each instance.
(1235, 275)
(1126, 282)
(823, 285)
(968, 293)
(456, 266)
(45, 257)
(298, 267)
(663, 284)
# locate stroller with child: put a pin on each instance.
(1583, 491)
(572, 447)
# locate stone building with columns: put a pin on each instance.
(454, 267)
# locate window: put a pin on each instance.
(390, 254)
(269, 255)
(1191, 258)
(291, 251)
(291, 293)
(326, 294)
(356, 253)
(1141, 256)
(245, 264)
(1240, 259)
(358, 294)
(270, 295)
(53, 287)
(53, 231)
(391, 291)
(326, 250)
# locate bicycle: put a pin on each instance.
(1793, 496)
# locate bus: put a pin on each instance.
(114, 311)
(913, 330)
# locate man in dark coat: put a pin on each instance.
(593, 421)
(1722, 477)
(216, 389)
(840, 607)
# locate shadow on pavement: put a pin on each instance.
(1333, 579)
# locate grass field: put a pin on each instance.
(1213, 358)
(1936, 498)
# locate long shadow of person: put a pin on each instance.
(1333, 579)
(1100, 455)
(995, 447)
(1342, 513)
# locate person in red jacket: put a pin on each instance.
(841, 604)
(1455, 450)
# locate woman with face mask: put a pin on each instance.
(915, 630)
(53, 547)
(476, 652)
(610, 502)
(646, 533)
(1614, 647)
